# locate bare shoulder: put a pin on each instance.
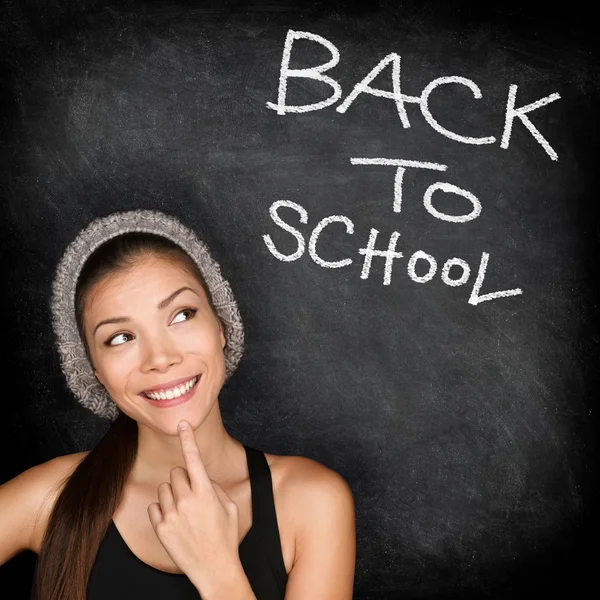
(309, 491)
(26, 502)
(297, 473)
(49, 478)
(320, 523)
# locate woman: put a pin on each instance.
(148, 331)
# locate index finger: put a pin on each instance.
(193, 460)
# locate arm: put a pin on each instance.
(325, 557)
(235, 586)
(23, 499)
(18, 507)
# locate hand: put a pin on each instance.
(195, 520)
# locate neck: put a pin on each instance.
(159, 452)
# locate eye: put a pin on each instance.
(192, 312)
(114, 337)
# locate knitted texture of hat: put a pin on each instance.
(74, 362)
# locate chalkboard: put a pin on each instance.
(401, 197)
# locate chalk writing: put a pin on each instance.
(455, 271)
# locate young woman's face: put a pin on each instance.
(161, 337)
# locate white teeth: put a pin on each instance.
(174, 392)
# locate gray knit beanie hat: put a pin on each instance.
(74, 362)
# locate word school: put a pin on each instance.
(390, 254)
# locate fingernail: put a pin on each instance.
(183, 425)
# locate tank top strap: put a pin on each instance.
(264, 517)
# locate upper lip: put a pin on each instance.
(169, 384)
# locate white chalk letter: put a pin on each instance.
(476, 298)
(429, 117)
(389, 254)
(311, 73)
(412, 273)
(312, 243)
(459, 262)
(520, 113)
(399, 177)
(449, 188)
(279, 221)
(362, 87)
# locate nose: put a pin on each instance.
(158, 354)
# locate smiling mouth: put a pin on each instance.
(174, 392)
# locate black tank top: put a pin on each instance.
(119, 574)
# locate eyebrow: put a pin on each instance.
(162, 304)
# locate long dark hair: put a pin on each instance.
(92, 492)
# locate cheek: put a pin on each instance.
(217, 349)
(201, 341)
(208, 352)
(116, 370)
